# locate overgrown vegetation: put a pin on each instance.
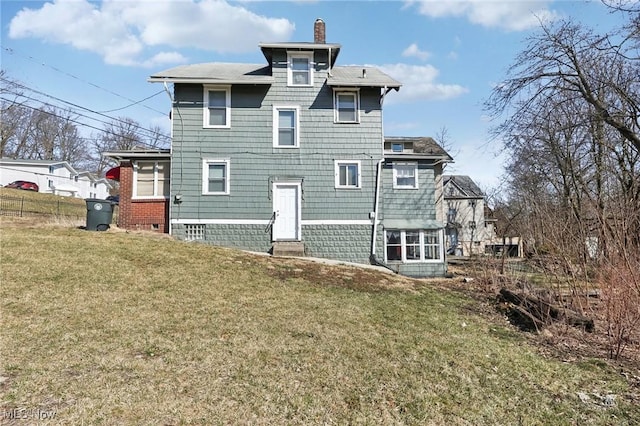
(132, 328)
(572, 132)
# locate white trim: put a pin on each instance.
(205, 103)
(403, 246)
(338, 164)
(266, 222)
(306, 55)
(395, 174)
(219, 221)
(205, 175)
(336, 112)
(134, 191)
(345, 222)
(276, 125)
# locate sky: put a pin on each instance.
(448, 54)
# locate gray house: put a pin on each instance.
(289, 157)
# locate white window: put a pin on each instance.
(217, 110)
(405, 175)
(215, 177)
(300, 69)
(346, 107)
(347, 174)
(413, 246)
(151, 179)
(286, 126)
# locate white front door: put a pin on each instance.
(286, 206)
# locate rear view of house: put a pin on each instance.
(289, 157)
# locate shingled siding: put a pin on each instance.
(255, 164)
(401, 203)
(412, 204)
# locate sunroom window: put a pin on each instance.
(414, 245)
(151, 179)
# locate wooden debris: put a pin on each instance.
(533, 312)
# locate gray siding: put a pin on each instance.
(409, 203)
(255, 163)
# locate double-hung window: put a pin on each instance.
(346, 107)
(414, 245)
(405, 175)
(215, 177)
(300, 69)
(217, 102)
(347, 174)
(286, 126)
(151, 179)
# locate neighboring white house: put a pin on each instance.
(468, 231)
(54, 177)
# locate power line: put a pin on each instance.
(73, 121)
(150, 132)
(12, 51)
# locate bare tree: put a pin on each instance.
(573, 132)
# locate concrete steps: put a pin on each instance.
(288, 248)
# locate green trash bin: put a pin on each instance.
(99, 214)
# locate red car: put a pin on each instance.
(23, 184)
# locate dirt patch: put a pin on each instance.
(322, 275)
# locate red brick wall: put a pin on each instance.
(150, 215)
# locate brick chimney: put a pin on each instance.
(319, 33)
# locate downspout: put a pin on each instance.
(373, 258)
(170, 228)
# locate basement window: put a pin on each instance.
(194, 232)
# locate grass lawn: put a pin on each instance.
(130, 328)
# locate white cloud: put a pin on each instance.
(123, 33)
(509, 15)
(419, 83)
(414, 51)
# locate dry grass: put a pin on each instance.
(134, 328)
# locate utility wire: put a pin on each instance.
(75, 122)
(150, 132)
(12, 51)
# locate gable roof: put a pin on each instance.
(216, 73)
(465, 184)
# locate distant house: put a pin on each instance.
(289, 157)
(54, 177)
(470, 225)
(468, 230)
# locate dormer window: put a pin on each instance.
(217, 111)
(300, 70)
(346, 107)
